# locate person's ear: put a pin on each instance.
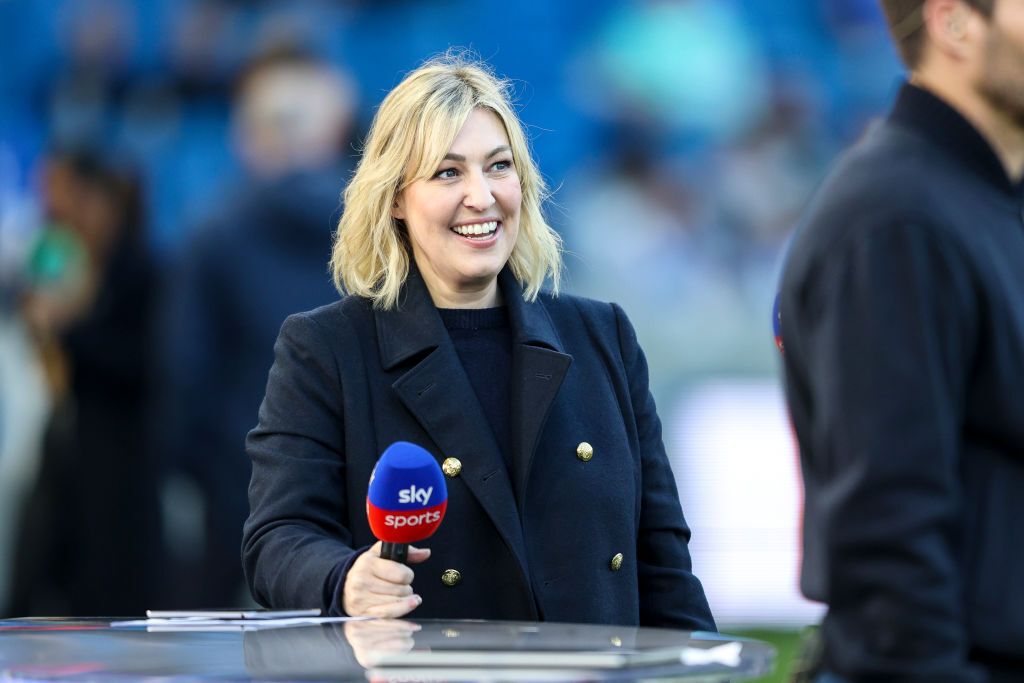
(948, 23)
(398, 208)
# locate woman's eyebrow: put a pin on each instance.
(451, 156)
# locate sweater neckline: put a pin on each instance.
(474, 318)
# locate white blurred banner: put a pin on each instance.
(734, 456)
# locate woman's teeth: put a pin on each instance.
(477, 230)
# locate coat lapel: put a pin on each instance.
(539, 366)
(439, 395)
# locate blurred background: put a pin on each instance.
(170, 174)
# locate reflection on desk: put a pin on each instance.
(38, 649)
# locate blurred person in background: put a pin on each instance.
(561, 503)
(90, 535)
(259, 257)
(638, 217)
(902, 316)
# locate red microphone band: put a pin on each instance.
(405, 526)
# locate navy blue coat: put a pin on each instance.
(349, 380)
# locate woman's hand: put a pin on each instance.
(376, 587)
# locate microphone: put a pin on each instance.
(777, 324)
(407, 498)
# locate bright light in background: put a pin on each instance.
(734, 457)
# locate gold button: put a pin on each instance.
(616, 563)
(584, 451)
(616, 641)
(450, 577)
(451, 467)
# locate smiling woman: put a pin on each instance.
(446, 152)
(534, 405)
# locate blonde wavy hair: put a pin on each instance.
(411, 132)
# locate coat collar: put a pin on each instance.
(414, 325)
(932, 117)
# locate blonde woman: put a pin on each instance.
(561, 503)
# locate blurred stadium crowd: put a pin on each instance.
(170, 173)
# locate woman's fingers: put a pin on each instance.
(390, 571)
(394, 608)
(417, 555)
(384, 606)
(389, 590)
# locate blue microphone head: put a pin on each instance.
(407, 496)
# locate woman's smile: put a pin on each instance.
(478, 234)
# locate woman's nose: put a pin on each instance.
(478, 192)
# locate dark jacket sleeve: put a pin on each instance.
(881, 335)
(670, 594)
(295, 536)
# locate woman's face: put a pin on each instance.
(463, 221)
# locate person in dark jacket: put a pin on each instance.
(902, 316)
(90, 538)
(561, 502)
(254, 261)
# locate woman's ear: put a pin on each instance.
(398, 208)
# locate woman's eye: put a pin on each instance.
(503, 165)
(446, 173)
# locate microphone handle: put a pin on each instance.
(394, 551)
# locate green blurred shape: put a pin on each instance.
(57, 257)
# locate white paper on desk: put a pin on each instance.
(201, 624)
(219, 613)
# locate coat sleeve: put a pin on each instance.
(295, 543)
(882, 337)
(670, 594)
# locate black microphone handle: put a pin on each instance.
(394, 551)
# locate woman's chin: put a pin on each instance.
(474, 282)
(476, 275)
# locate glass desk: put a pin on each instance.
(374, 650)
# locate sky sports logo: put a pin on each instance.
(415, 519)
(413, 494)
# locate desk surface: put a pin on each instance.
(88, 649)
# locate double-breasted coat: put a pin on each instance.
(554, 537)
